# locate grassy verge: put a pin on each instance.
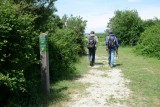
(144, 74)
(60, 91)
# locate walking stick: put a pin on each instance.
(117, 53)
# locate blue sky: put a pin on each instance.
(98, 12)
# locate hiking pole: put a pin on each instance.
(117, 54)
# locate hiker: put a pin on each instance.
(111, 48)
(91, 45)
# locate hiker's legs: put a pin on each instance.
(109, 57)
(93, 56)
(111, 53)
(112, 57)
(89, 54)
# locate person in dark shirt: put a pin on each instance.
(111, 47)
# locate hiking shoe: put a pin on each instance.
(112, 66)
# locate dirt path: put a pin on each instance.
(106, 87)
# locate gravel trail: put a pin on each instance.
(106, 87)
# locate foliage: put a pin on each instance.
(150, 22)
(127, 26)
(21, 23)
(63, 51)
(65, 44)
(77, 25)
(149, 42)
(101, 39)
(16, 43)
(19, 52)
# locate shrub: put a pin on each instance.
(18, 59)
(149, 42)
(127, 25)
(63, 51)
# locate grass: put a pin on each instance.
(61, 90)
(112, 100)
(144, 74)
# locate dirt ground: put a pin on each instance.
(106, 87)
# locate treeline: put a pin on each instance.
(131, 30)
(21, 22)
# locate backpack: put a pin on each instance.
(91, 42)
(111, 41)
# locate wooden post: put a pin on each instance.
(44, 63)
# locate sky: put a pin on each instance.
(98, 12)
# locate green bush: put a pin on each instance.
(18, 57)
(77, 26)
(20, 27)
(149, 42)
(127, 25)
(16, 51)
(63, 51)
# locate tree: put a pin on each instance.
(77, 25)
(127, 25)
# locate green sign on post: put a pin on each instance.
(44, 62)
(43, 43)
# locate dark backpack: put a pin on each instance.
(91, 42)
(111, 41)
